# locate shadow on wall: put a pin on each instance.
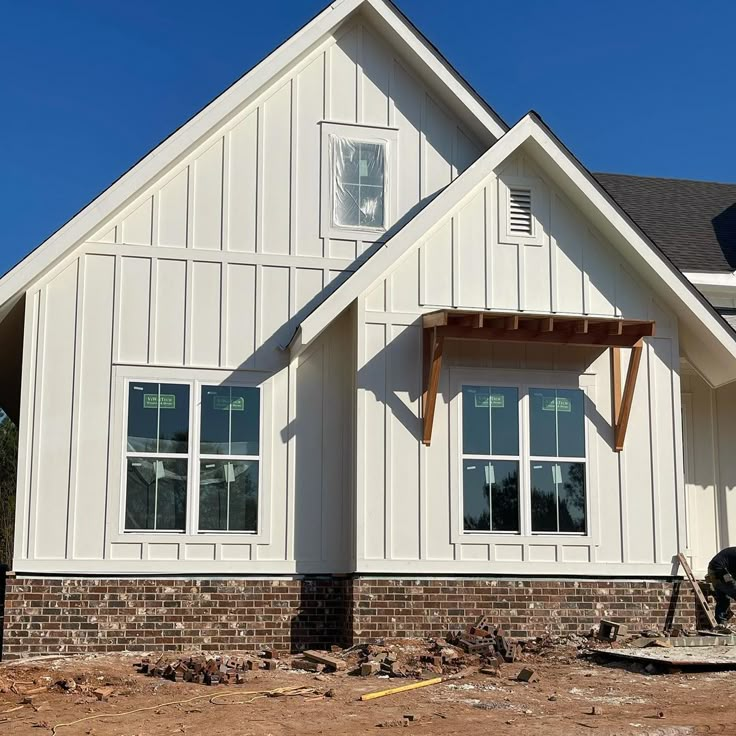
(724, 227)
(325, 614)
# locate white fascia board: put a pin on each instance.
(177, 145)
(691, 304)
(438, 67)
(705, 278)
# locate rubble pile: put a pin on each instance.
(204, 670)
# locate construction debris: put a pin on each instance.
(611, 630)
(487, 641)
(527, 675)
(332, 664)
(204, 670)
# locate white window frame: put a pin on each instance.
(123, 376)
(127, 454)
(489, 458)
(522, 380)
(388, 137)
(204, 457)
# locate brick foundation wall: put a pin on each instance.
(51, 615)
(63, 615)
(432, 607)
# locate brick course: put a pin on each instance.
(70, 615)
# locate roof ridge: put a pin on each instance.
(666, 178)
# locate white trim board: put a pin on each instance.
(703, 332)
(179, 143)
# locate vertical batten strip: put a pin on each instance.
(293, 163)
(78, 375)
(259, 179)
(359, 101)
(225, 209)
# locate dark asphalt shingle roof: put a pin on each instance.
(692, 222)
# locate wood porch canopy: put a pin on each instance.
(602, 332)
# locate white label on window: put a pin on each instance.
(229, 473)
(363, 168)
(160, 472)
(490, 474)
(556, 474)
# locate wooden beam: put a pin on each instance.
(512, 323)
(558, 336)
(615, 384)
(478, 323)
(547, 324)
(581, 327)
(616, 328)
(435, 319)
(619, 432)
(433, 356)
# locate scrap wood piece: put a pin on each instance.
(402, 688)
(325, 659)
(696, 588)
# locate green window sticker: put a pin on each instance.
(223, 403)
(493, 401)
(159, 401)
(556, 403)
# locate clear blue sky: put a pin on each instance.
(88, 86)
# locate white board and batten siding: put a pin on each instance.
(709, 423)
(205, 273)
(408, 494)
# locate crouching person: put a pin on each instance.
(721, 572)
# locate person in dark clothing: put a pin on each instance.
(721, 574)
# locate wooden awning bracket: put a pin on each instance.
(599, 332)
(622, 402)
(433, 347)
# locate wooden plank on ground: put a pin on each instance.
(325, 659)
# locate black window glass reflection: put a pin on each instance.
(490, 420)
(156, 494)
(491, 495)
(158, 417)
(230, 420)
(228, 495)
(557, 422)
(558, 497)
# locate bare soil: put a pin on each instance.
(570, 686)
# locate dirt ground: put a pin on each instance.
(570, 686)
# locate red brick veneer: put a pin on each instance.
(50, 615)
(432, 607)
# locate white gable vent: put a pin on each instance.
(520, 211)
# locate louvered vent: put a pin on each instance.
(520, 211)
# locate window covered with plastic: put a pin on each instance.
(359, 178)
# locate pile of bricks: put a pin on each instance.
(487, 641)
(204, 670)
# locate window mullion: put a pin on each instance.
(195, 404)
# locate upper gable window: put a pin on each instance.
(359, 178)
(358, 183)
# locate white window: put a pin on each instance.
(523, 447)
(168, 472)
(358, 181)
